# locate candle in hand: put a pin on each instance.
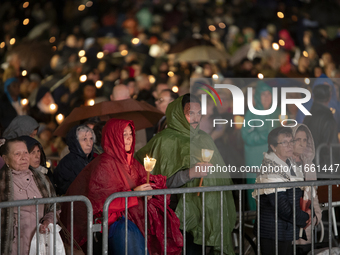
(149, 164)
(206, 157)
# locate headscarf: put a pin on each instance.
(7, 83)
(20, 125)
(309, 153)
(31, 143)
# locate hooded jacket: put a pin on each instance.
(255, 138)
(112, 172)
(70, 165)
(178, 147)
(307, 159)
(20, 125)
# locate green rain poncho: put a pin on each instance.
(177, 148)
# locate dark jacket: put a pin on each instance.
(7, 111)
(285, 215)
(323, 128)
(71, 165)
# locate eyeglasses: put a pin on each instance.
(286, 143)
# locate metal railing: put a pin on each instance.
(325, 145)
(220, 189)
(54, 201)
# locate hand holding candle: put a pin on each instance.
(206, 157)
(149, 164)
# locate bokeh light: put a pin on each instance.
(280, 15)
(175, 89)
(81, 7)
(99, 84)
(212, 28)
(81, 53)
(83, 78)
(100, 55)
(83, 60)
(275, 46)
(26, 21)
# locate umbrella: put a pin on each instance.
(33, 54)
(239, 55)
(202, 53)
(141, 113)
(38, 30)
(188, 43)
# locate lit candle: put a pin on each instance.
(53, 108)
(59, 118)
(90, 102)
(283, 117)
(239, 120)
(206, 157)
(24, 102)
(149, 164)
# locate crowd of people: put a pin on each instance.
(59, 55)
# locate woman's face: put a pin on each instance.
(300, 142)
(266, 99)
(35, 157)
(127, 138)
(14, 89)
(18, 157)
(284, 148)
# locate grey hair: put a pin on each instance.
(84, 128)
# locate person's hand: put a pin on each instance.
(143, 187)
(44, 227)
(309, 221)
(196, 171)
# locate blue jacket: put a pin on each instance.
(285, 215)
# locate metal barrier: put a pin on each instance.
(325, 145)
(220, 189)
(54, 201)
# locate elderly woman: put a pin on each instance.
(115, 171)
(277, 167)
(303, 155)
(80, 142)
(36, 155)
(18, 182)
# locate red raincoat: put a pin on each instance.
(116, 171)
